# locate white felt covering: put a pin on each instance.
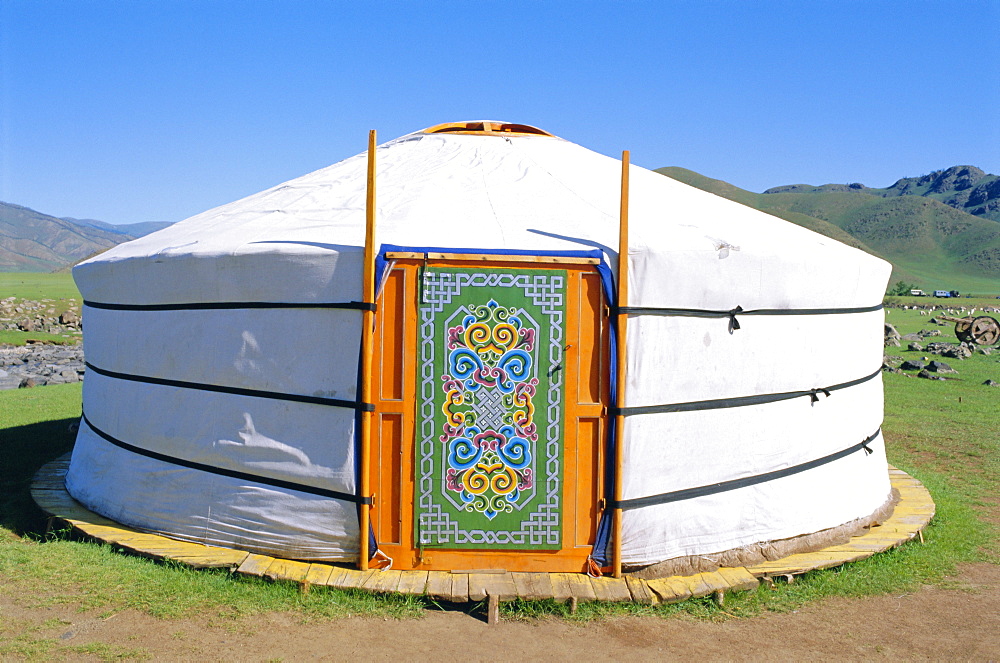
(302, 242)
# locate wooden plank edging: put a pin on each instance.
(908, 520)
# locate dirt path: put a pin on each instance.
(932, 623)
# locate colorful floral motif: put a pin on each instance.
(489, 430)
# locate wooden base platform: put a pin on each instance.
(908, 520)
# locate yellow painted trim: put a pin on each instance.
(367, 340)
(486, 129)
(622, 365)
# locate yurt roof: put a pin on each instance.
(498, 187)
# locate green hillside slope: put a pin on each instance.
(929, 243)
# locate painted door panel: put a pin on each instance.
(489, 446)
(491, 383)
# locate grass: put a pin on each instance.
(32, 285)
(942, 432)
(33, 429)
(30, 647)
(8, 337)
(95, 577)
(972, 301)
(947, 430)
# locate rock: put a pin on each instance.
(929, 332)
(891, 336)
(928, 376)
(992, 383)
(69, 318)
(891, 360)
(912, 365)
(915, 347)
(986, 351)
(950, 350)
(912, 337)
(957, 353)
(40, 364)
(940, 367)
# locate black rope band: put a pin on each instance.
(732, 313)
(734, 484)
(739, 401)
(244, 476)
(239, 391)
(214, 306)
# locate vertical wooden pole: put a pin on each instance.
(621, 323)
(367, 341)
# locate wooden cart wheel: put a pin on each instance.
(962, 330)
(985, 330)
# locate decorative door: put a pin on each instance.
(489, 419)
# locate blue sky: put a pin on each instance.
(154, 110)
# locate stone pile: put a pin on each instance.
(38, 316)
(40, 364)
(952, 350)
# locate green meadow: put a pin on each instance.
(31, 285)
(59, 288)
(942, 432)
(14, 337)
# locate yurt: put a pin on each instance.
(481, 346)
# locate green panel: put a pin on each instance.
(489, 456)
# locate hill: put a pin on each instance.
(928, 242)
(31, 241)
(132, 230)
(965, 188)
(34, 242)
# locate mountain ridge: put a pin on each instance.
(965, 188)
(32, 241)
(133, 230)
